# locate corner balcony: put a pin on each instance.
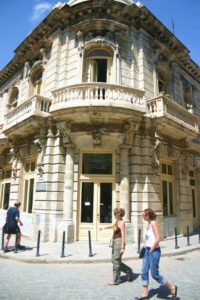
(85, 97)
(26, 116)
(172, 118)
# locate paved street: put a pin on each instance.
(89, 281)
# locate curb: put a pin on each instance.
(64, 260)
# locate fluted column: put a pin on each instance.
(125, 181)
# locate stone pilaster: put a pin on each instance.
(68, 223)
(125, 181)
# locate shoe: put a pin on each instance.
(5, 250)
(175, 293)
(129, 275)
(20, 247)
(141, 298)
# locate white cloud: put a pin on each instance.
(40, 10)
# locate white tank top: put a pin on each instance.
(150, 237)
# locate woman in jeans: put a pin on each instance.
(152, 257)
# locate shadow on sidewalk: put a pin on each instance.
(161, 292)
(134, 276)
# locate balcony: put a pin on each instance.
(27, 115)
(103, 95)
(172, 117)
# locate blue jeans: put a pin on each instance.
(151, 262)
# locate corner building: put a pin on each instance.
(93, 116)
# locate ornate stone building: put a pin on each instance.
(93, 116)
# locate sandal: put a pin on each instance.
(174, 295)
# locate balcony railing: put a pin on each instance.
(35, 106)
(164, 107)
(94, 93)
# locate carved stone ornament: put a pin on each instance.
(15, 153)
(65, 130)
(27, 69)
(156, 141)
(40, 143)
(130, 128)
(96, 137)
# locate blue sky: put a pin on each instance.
(19, 17)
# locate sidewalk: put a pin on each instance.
(78, 252)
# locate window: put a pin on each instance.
(193, 192)
(36, 80)
(13, 99)
(167, 180)
(29, 183)
(5, 189)
(98, 66)
(96, 163)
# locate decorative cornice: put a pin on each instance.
(116, 14)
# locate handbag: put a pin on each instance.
(142, 252)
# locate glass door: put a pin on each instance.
(96, 205)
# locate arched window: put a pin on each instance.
(36, 80)
(13, 99)
(98, 65)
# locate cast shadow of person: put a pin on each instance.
(132, 278)
(162, 293)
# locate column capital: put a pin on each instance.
(69, 145)
(125, 146)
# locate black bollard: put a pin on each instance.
(188, 236)
(176, 240)
(199, 236)
(63, 245)
(15, 250)
(90, 244)
(139, 240)
(2, 240)
(38, 244)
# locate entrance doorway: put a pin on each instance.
(96, 206)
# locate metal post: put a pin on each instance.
(38, 244)
(176, 241)
(16, 236)
(139, 240)
(90, 244)
(2, 240)
(188, 236)
(199, 235)
(63, 245)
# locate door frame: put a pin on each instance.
(97, 179)
(82, 228)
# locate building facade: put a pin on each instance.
(93, 116)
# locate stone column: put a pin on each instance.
(125, 181)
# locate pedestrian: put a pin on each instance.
(118, 247)
(11, 226)
(152, 257)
